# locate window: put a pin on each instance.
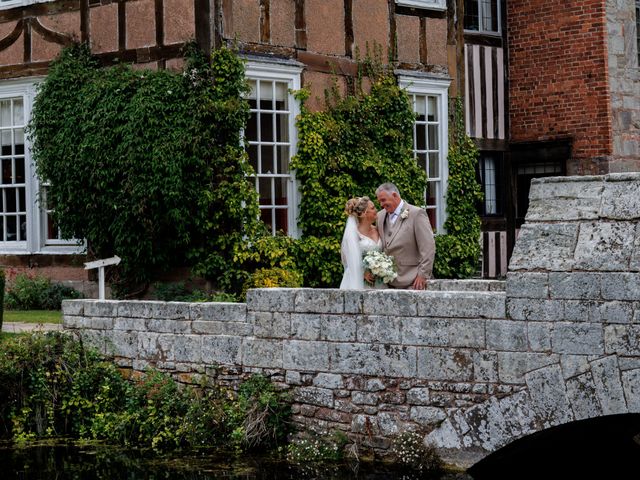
(23, 225)
(426, 4)
(482, 16)
(491, 171)
(271, 139)
(430, 138)
(6, 4)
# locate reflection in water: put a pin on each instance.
(107, 463)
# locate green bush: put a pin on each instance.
(178, 292)
(273, 278)
(37, 293)
(51, 385)
(2, 283)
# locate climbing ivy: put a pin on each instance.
(458, 251)
(148, 165)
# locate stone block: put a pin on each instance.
(445, 364)
(485, 366)
(461, 304)
(427, 416)
(506, 335)
(519, 417)
(578, 338)
(73, 307)
(545, 246)
(99, 323)
(467, 333)
(631, 385)
(611, 312)
(622, 339)
(271, 299)
(539, 336)
(389, 423)
(149, 348)
(365, 398)
(574, 285)
(322, 397)
(620, 199)
(353, 301)
(621, 286)
(229, 350)
(576, 199)
(548, 394)
(374, 385)
(577, 310)
(328, 380)
(512, 366)
(432, 332)
(240, 329)
(170, 310)
(378, 329)
(418, 396)
(305, 355)
(73, 321)
(271, 325)
(187, 348)
(305, 326)
(134, 309)
(634, 262)
(169, 326)
(535, 310)
(101, 308)
(219, 312)
(96, 339)
(401, 303)
(257, 352)
(604, 246)
(316, 300)
(608, 383)
(136, 324)
(373, 359)
(487, 425)
(445, 436)
(527, 285)
(338, 328)
(581, 393)
(124, 344)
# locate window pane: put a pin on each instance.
(267, 159)
(264, 189)
(254, 160)
(283, 158)
(266, 127)
(282, 96)
(18, 112)
(421, 137)
(5, 113)
(420, 106)
(282, 127)
(251, 132)
(421, 158)
(434, 165)
(7, 173)
(281, 191)
(12, 230)
(10, 200)
(471, 15)
(433, 109)
(433, 137)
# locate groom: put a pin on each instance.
(407, 236)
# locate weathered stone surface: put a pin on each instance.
(365, 398)
(539, 336)
(227, 350)
(187, 348)
(519, 417)
(137, 324)
(622, 339)
(427, 416)
(378, 329)
(305, 326)
(574, 285)
(169, 326)
(566, 200)
(445, 364)
(388, 423)
(507, 335)
(548, 395)
(339, 328)
(219, 312)
(305, 355)
(208, 327)
(527, 285)
(73, 307)
(148, 346)
(257, 352)
(445, 436)
(328, 380)
(512, 366)
(271, 299)
(271, 325)
(135, 309)
(425, 331)
(578, 338)
(391, 302)
(621, 286)
(574, 365)
(100, 308)
(485, 366)
(315, 300)
(620, 198)
(378, 360)
(461, 304)
(179, 311)
(322, 397)
(577, 310)
(97, 340)
(581, 393)
(545, 247)
(606, 378)
(604, 246)
(631, 385)
(122, 344)
(540, 310)
(487, 425)
(611, 312)
(418, 396)
(353, 301)
(634, 262)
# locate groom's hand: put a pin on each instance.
(369, 278)
(420, 283)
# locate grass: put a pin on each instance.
(33, 316)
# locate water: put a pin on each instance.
(68, 462)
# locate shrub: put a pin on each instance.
(37, 293)
(178, 292)
(2, 282)
(411, 452)
(273, 278)
(317, 448)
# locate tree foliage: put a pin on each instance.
(148, 165)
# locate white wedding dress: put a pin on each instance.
(352, 248)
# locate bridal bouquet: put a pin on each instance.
(381, 265)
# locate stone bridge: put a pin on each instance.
(473, 365)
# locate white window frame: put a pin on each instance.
(6, 5)
(437, 87)
(284, 72)
(36, 234)
(439, 5)
(481, 16)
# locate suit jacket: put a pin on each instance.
(410, 241)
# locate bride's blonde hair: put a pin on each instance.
(357, 206)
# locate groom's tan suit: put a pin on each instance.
(410, 241)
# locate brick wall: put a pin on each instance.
(559, 81)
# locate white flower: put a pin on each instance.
(380, 264)
(404, 214)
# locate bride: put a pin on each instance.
(360, 235)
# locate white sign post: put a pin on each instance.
(100, 264)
